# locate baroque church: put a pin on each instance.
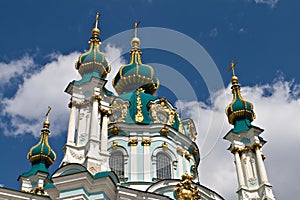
(134, 145)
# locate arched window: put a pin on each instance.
(116, 163)
(163, 166)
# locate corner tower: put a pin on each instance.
(41, 157)
(246, 146)
(90, 106)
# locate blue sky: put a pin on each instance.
(40, 42)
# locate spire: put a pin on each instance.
(135, 75)
(239, 112)
(93, 61)
(42, 152)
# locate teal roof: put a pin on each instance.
(36, 167)
(135, 75)
(93, 60)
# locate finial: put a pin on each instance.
(96, 31)
(136, 24)
(48, 112)
(47, 122)
(135, 42)
(234, 79)
(97, 19)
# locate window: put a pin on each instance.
(163, 166)
(116, 163)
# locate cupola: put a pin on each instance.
(93, 61)
(135, 75)
(42, 153)
(239, 112)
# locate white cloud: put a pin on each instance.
(114, 57)
(26, 109)
(277, 107)
(14, 68)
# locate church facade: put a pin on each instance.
(133, 144)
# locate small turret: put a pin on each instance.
(41, 157)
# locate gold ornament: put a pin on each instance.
(185, 190)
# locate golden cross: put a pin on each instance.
(233, 64)
(97, 18)
(136, 24)
(48, 112)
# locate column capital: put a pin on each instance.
(133, 141)
(146, 141)
(96, 97)
(236, 150)
(256, 146)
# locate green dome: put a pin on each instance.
(42, 152)
(239, 109)
(135, 75)
(93, 60)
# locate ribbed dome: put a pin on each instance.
(239, 109)
(93, 60)
(136, 74)
(42, 152)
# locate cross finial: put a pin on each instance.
(231, 68)
(48, 112)
(97, 19)
(136, 24)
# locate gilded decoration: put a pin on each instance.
(114, 144)
(119, 111)
(139, 114)
(187, 156)
(164, 145)
(191, 130)
(185, 190)
(196, 150)
(115, 130)
(162, 112)
(133, 141)
(146, 141)
(164, 131)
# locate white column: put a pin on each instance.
(72, 125)
(261, 166)
(94, 120)
(239, 169)
(244, 165)
(180, 166)
(133, 162)
(147, 163)
(104, 133)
